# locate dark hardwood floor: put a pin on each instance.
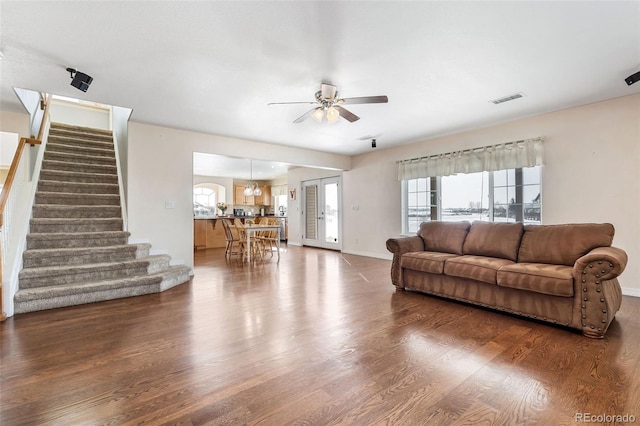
(320, 338)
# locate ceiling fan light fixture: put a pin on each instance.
(332, 114)
(318, 114)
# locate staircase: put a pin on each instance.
(77, 251)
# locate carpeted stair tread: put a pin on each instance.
(72, 225)
(70, 176)
(173, 276)
(85, 133)
(37, 258)
(69, 198)
(76, 239)
(78, 187)
(76, 158)
(36, 299)
(83, 129)
(92, 272)
(80, 149)
(79, 167)
(74, 140)
(75, 211)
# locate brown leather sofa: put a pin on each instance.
(562, 274)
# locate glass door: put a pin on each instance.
(322, 214)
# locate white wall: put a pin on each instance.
(591, 174)
(160, 163)
(8, 145)
(79, 115)
(15, 122)
(227, 183)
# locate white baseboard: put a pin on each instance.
(369, 254)
(292, 243)
(631, 292)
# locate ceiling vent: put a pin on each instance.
(507, 98)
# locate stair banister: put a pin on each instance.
(6, 189)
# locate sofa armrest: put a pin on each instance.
(400, 246)
(599, 293)
(605, 263)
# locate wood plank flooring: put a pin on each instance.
(320, 338)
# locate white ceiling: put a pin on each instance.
(212, 67)
(237, 168)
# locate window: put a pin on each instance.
(205, 198)
(502, 196)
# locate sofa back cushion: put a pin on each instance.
(562, 244)
(494, 240)
(444, 237)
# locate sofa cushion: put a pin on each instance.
(562, 244)
(425, 261)
(444, 237)
(477, 268)
(555, 280)
(494, 240)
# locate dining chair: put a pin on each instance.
(254, 243)
(269, 238)
(232, 238)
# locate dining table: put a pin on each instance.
(256, 227)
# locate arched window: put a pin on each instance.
(205, 198)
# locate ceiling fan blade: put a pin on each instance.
(346, 114)
(365, 100)
(305, 115)
(328, 91)
(288, 103)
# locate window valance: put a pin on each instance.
(278, 190)
(510, 155)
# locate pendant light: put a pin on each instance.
(248, 191)
(252, 188)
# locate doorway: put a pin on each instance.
(322, 213)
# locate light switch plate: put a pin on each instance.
(169, 204)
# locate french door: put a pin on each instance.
(322, 213)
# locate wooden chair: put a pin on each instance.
(231, 236)
(242, 236)
(269, 238)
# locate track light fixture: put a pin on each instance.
(80, 80)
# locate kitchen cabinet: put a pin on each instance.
(200, 234)
(266, 195)
(239, 199)
(208, 233)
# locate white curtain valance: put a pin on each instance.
(278, 190)
(510, 155)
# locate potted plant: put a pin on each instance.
(222, 207)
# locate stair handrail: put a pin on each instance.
(4, 195)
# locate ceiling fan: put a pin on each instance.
(330, 105)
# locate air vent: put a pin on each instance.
(507, 98)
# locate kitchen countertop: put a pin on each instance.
(233, 217)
